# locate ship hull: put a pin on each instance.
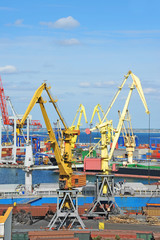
(144, 172)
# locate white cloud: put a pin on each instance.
(62, 23)
(70, 42)
(108, 84)
(8, 69)
(18, 23)
(68, 22)
(19, 86)
(104, 84)
(149, 90)
(84, 84)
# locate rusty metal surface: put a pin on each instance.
(152, 211)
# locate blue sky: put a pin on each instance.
(83, 49)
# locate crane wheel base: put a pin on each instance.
(66, 216)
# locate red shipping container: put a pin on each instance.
(20, 153)
(92, 164)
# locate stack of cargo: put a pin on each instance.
(149, 155)
(155, 146)
(45, 146)
(42, 146)
(152, 154)
(20, 151)
(145, 153)
(48, 146)
(155, 154)
(141, 146)
(6, 152)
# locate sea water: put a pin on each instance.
(94, 137)
(17, 176)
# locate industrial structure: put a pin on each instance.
(96, 109)
(67, 213)
(10, 124)
(80, 111)
(128, 136)
(67, 179)
(104, 189)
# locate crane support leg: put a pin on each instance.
(104, 203)
(66, 217)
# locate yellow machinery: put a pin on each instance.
(66, 180)
(96, 110)
(60, 137)
(66, 215)
(128, 136)
(105, 186)
(81, 110)
(104, 124)
(106, 132)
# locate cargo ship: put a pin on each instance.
(139, 169)
(146, 161)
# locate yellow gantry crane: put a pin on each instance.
(106, 132)
(105, 192)
(64, 161)
(81, 111)
(135, 84)
(67, 202)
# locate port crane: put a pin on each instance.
(80, 111)
(128, 136)
(106, 133)
(105, 182)
(104, 123)
(67, 195)
(135, 84)
(96, 109)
